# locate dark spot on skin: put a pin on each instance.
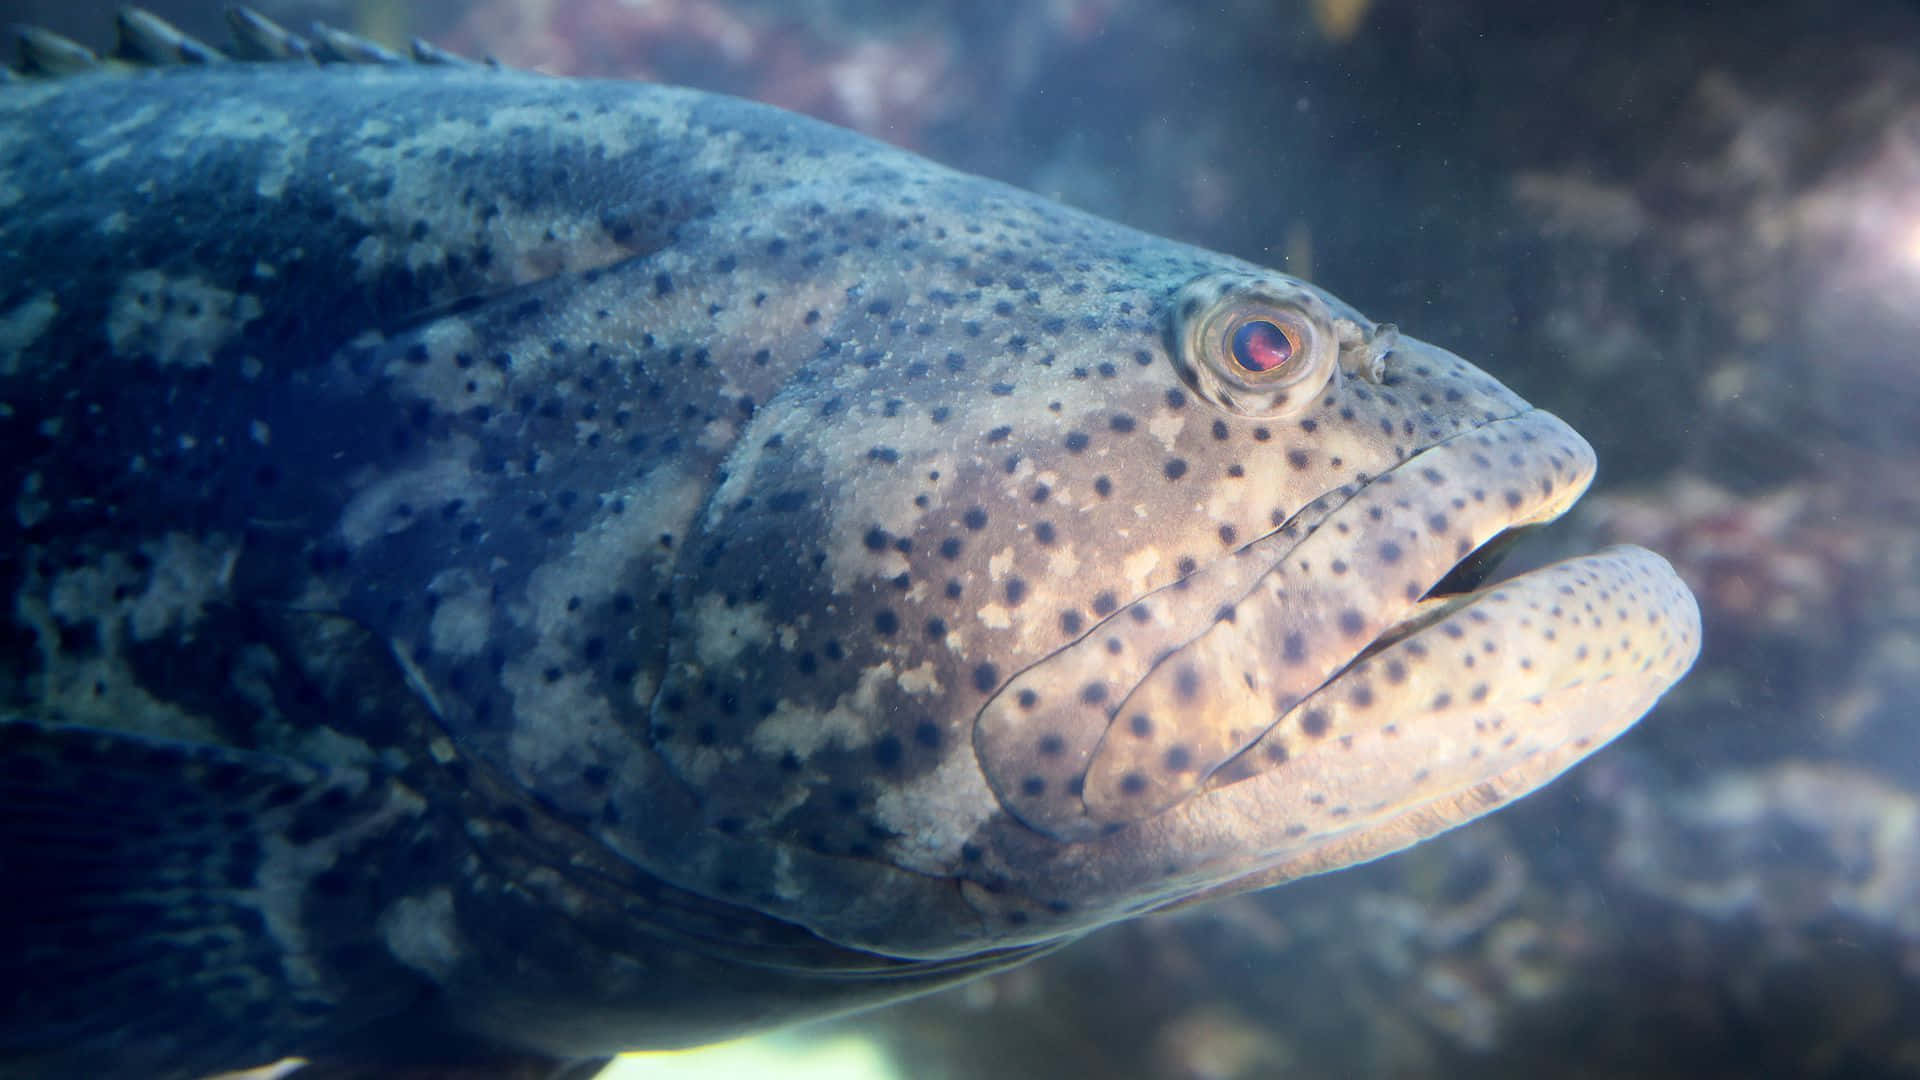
(1052, 745)
(1298, 459)
(1102, 486)
(888, 751)
(1033, 787)
(1104, 604)
(1076, 441)
(1175, 468)
(1028, 699)
(1179, 758)
(975, 519)
(1133, 783)
(986, 677)
(1043, 532)
(886, 622)
(1176, 399)
(1141, 725)
(1352, 622)
(1361, 696)
(1314, 723)
(1070, 622)
(1228, 534)
(1093, 693)
(1016, 591)
(876, 539)
(1389, 552)
(951, 547)
(1121, 423)
(1186, 683)
(936, 628)
(1396, 671)
(1295, 648)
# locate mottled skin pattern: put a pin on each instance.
(510, 565)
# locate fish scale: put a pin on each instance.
(648, 567)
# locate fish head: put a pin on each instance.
(1066, 590)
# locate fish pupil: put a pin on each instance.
(1261, 346)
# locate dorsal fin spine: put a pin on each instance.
(146, 40)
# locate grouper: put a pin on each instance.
(506, 570)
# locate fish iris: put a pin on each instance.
(1261, 346)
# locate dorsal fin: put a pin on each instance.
(256, 37)
(426, 52)
(43, 52)
(339, 46)
(146, 40)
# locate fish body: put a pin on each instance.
(514, 568)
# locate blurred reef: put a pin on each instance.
(1694, 232)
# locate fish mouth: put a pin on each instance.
(1120, 727)
(1321, 717)
(1480, 566)
(1480, 570)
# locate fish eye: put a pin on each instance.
(1262, 346)
(1257, 345)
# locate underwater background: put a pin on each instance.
(1691, 230)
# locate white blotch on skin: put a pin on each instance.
(1000, 563)
(22, 326)
(560, 726)
(441, 380)
(920, 680)
(603, 553)
(848, 724)
(373, 512)
(1166, 427)
(421, 932)
(993, 617)
(150, 315)
(1062, 563)
(936, 814)
(1138, 567)
(187, 574)
(463, 621)
(721, 632)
